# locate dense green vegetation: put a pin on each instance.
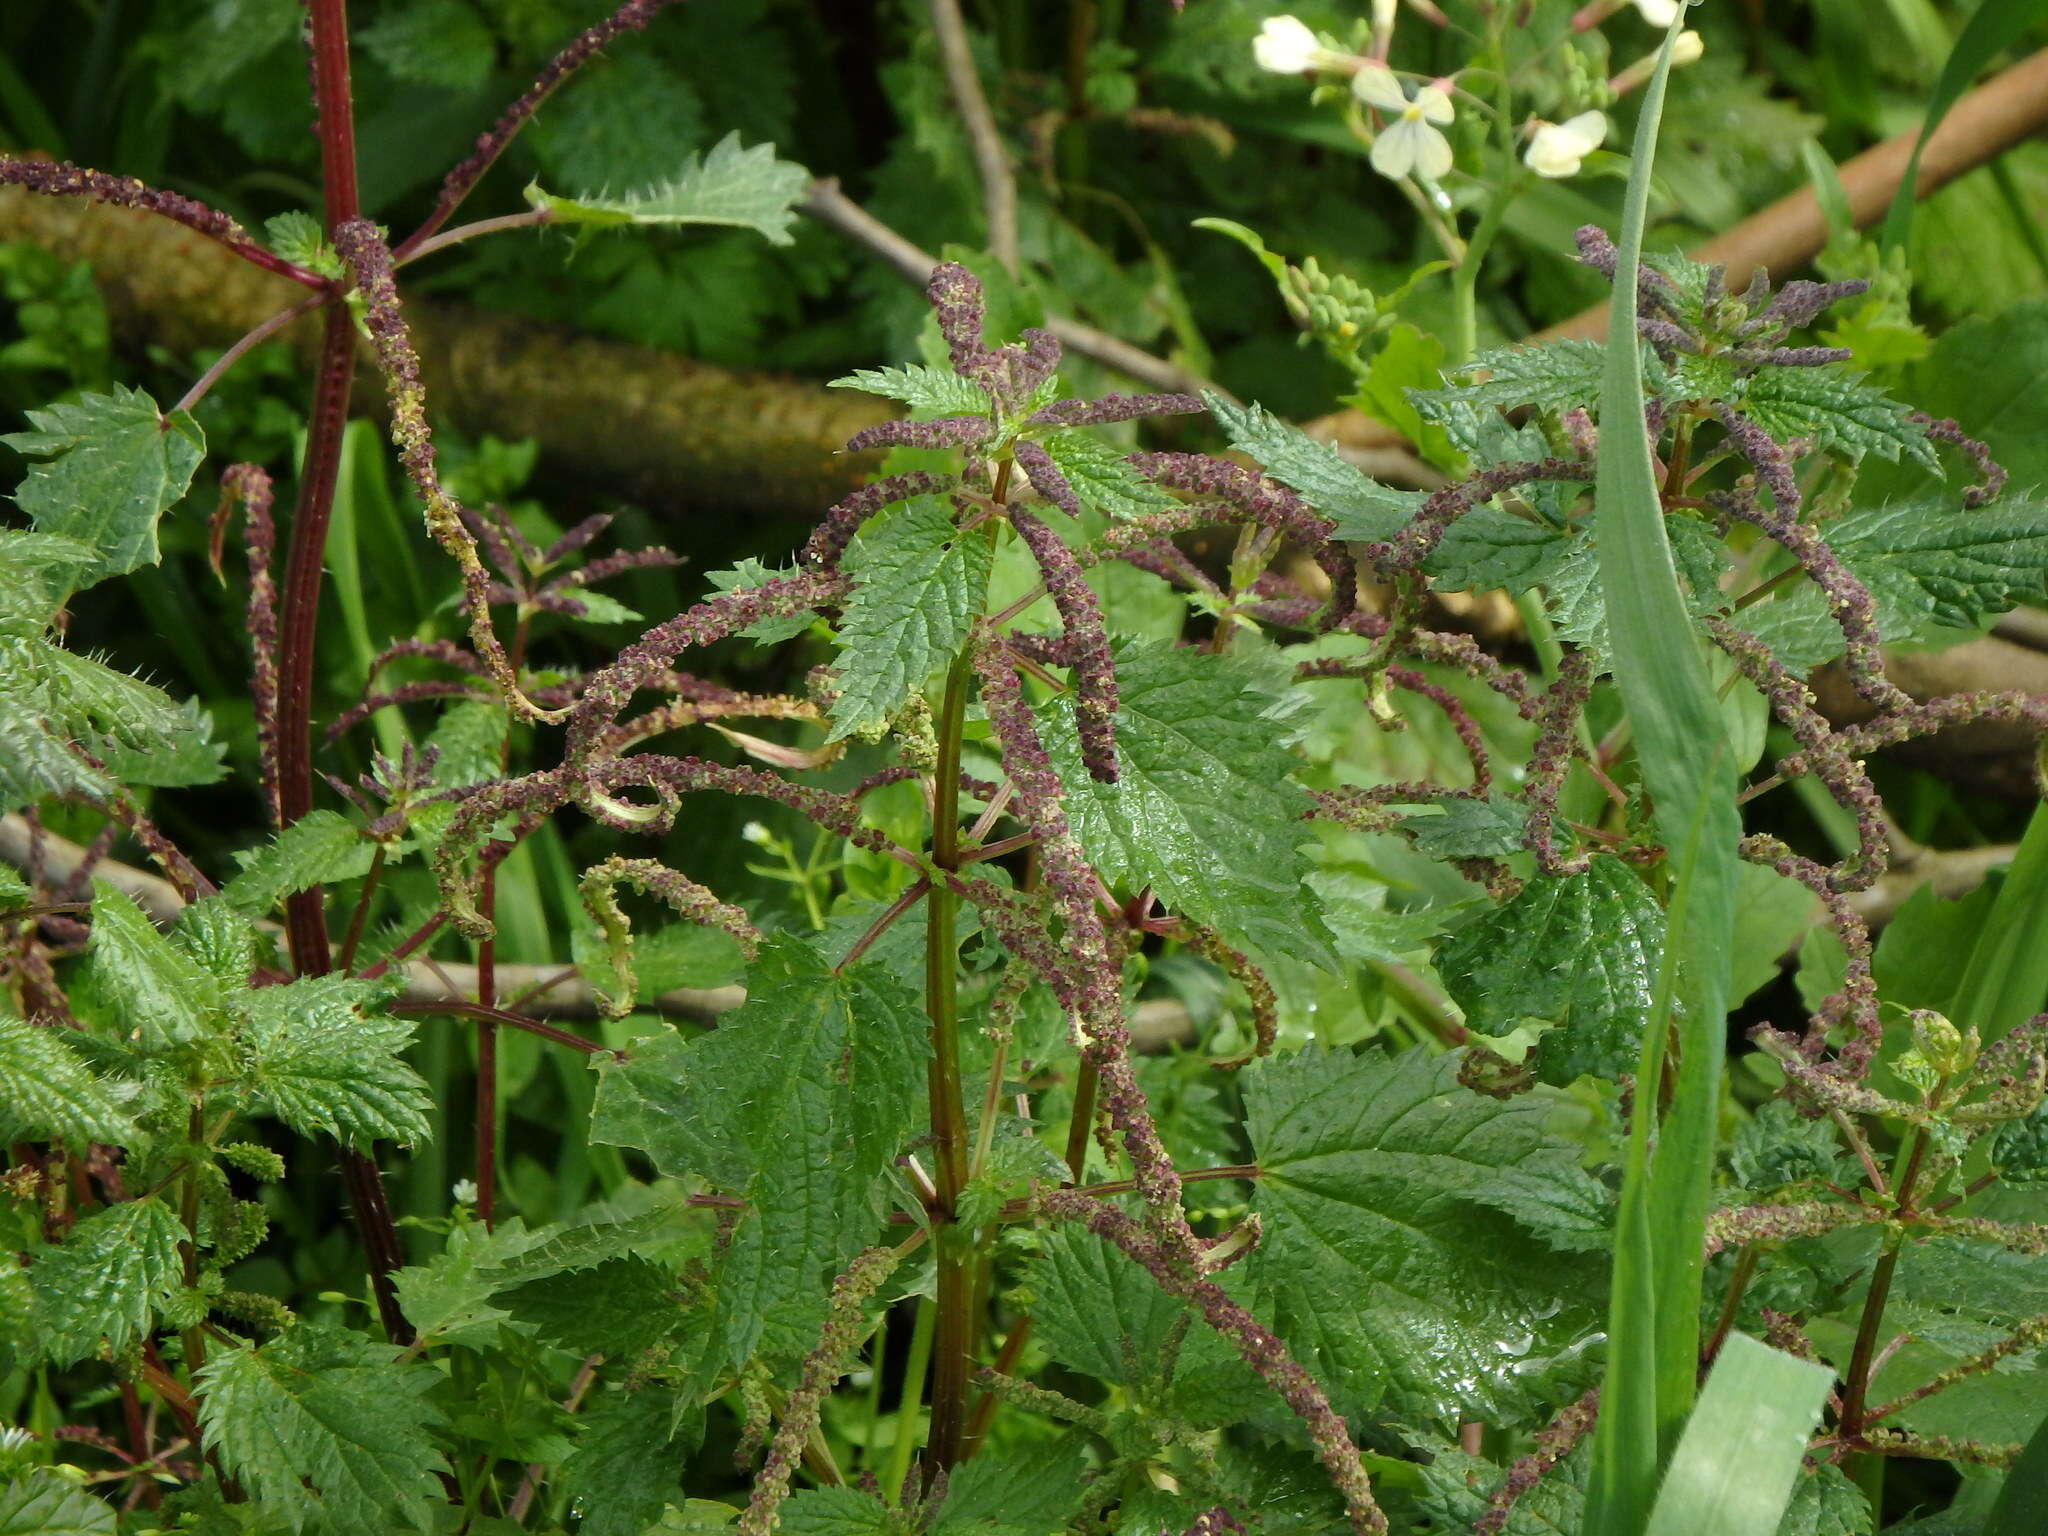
(974, 768)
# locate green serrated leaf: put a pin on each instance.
(1552, 377)
(48, 1094)
(1463, 828)
(836, 1512)
(317, 849)
(44, 1504)
(617, 1309)
(1361, 508)
(315, 1059)
(797, 1101)
(1579, 950)
(1825, 1503)
(1553, 1196)
(112, 465)
(1204, 810)
(470, 738)
(601, 608)
(52, 700)
(927, 390)
(160, 996)
(219, 938)
(1928, 560)
(1777, 1147)
(110, 1275)
(1102, 1315)
(745, 188)
(327, 1430)
(1489, 549)
(430, 42)
(918, 583)
(452, 1297)
(1033, 1490)
(624, 1468)
(298, 237)
(1836, 413)
(1386, 1259)
(1102, 479)
(1459, 1488)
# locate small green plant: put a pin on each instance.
(1432, 1228)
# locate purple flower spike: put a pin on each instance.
(944, 432)
(1087, 644)
(956, 299)
(830, 538)
(1045, 476)
(1110, 408)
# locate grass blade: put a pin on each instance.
(1989, 33)
(1733, 1470)
(1664, 680)
(2006, 982)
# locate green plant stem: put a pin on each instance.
(1911, 1155)
(1465, 279)
(954, 1338)
(1745, 1266)
(188, 1211)
(487, 1060)
(907, 1408)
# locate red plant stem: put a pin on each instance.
(354, 936)
(305, 912)
(487, 1060)
(1862, 1360)
(457, 1007)
(234, 354)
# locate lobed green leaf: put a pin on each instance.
(111, 466)
(919, 581)
(327, 1430)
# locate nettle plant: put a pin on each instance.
(1344, 1266)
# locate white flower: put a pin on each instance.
(758, 835)
(1658, 13)
(1686, 48)
(1413, 138)
(1286, 46)
(1556, 149)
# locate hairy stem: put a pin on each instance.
(487, 1059)
(305, 912)
(1856, 1382)
(955, 1298)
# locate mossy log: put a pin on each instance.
(648, 425)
